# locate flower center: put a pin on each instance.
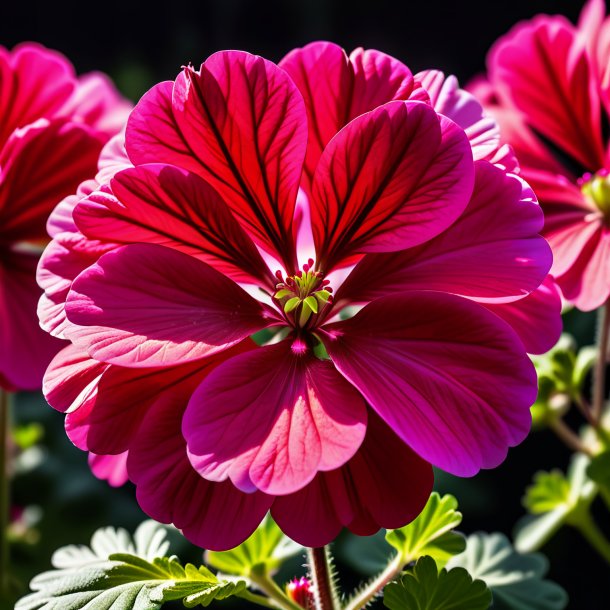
(596, 188)
(303, 296)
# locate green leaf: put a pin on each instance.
(27, 435)
(553, 500)
(430, 533)
(584, 363)
(266, 549)
(120, 573)
(426, 589)
(516, 580)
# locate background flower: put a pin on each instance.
(52, 127)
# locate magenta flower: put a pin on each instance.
(354, 225)
(549, 90)
(52, 127)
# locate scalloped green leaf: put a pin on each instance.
(121, 573)
(552, 500)
(430, 533)
(515, 580)
(425, 588)
(266, 549)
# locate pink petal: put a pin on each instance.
(146, 305)
(244, 124)
(25, 350)
(111, 468)
(492, 251)
(536, 318)
(362, 495)
(216, 516)
(586, 284)
(168, 206)
(337, 88)
(33, 180)
(271, 419)
(450, 378)
(391, 179)
(62, 261)
(36, 82)
(463, 108)
(543, 68)
(60, 219)
(113, 159)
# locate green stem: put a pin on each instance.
(260, 600)
(594, 536)
(323, 586)
(599, 379)
(4, 493)
(373, 588)
(268, 586)
(568, 436)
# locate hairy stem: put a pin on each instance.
(594, 536)
(599, 378)
(568, 436)
(268, 586)
(373, 588)
(4, 493)
(323, 587)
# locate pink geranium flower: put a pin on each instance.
(52, 127)
(381, 244)
(549, 89)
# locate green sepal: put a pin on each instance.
(284, 292)
(425, 588)
(311, 302)
(322, 296)
(291, 304)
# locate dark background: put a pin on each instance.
(139, 44)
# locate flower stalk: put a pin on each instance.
(594, 536)
(321, 575)
(4, 493)
(268, 586)
(599, 379)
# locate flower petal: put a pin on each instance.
(253, 158)
(492, 251)
(337, 88)
(111, 468)
(536, 318)
(146, 305)
(450, 378)
(391, 179)
(171, 207)
(270, 419)
(385, 484)
(216, 516)
(543, 68)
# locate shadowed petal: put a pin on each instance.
(384, 485)
(450, 378)
(110, 468)
(270, 419)
(391, 179)
(147, 305)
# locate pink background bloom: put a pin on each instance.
(174, 263)
(52, 127)
(548, 89)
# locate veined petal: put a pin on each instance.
(492, 251)
(337, 88)
(271, 419)
(166, 205)
(450, 378)
(32, 180)
(362, 495)
(542, 66)
(244, 125)
(216, 516)
(391, 179)
(146, 305)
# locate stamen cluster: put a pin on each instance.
(303, 294)
(596, 187)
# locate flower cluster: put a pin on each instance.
(52, 127)
(549, 90)
(296, 288)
